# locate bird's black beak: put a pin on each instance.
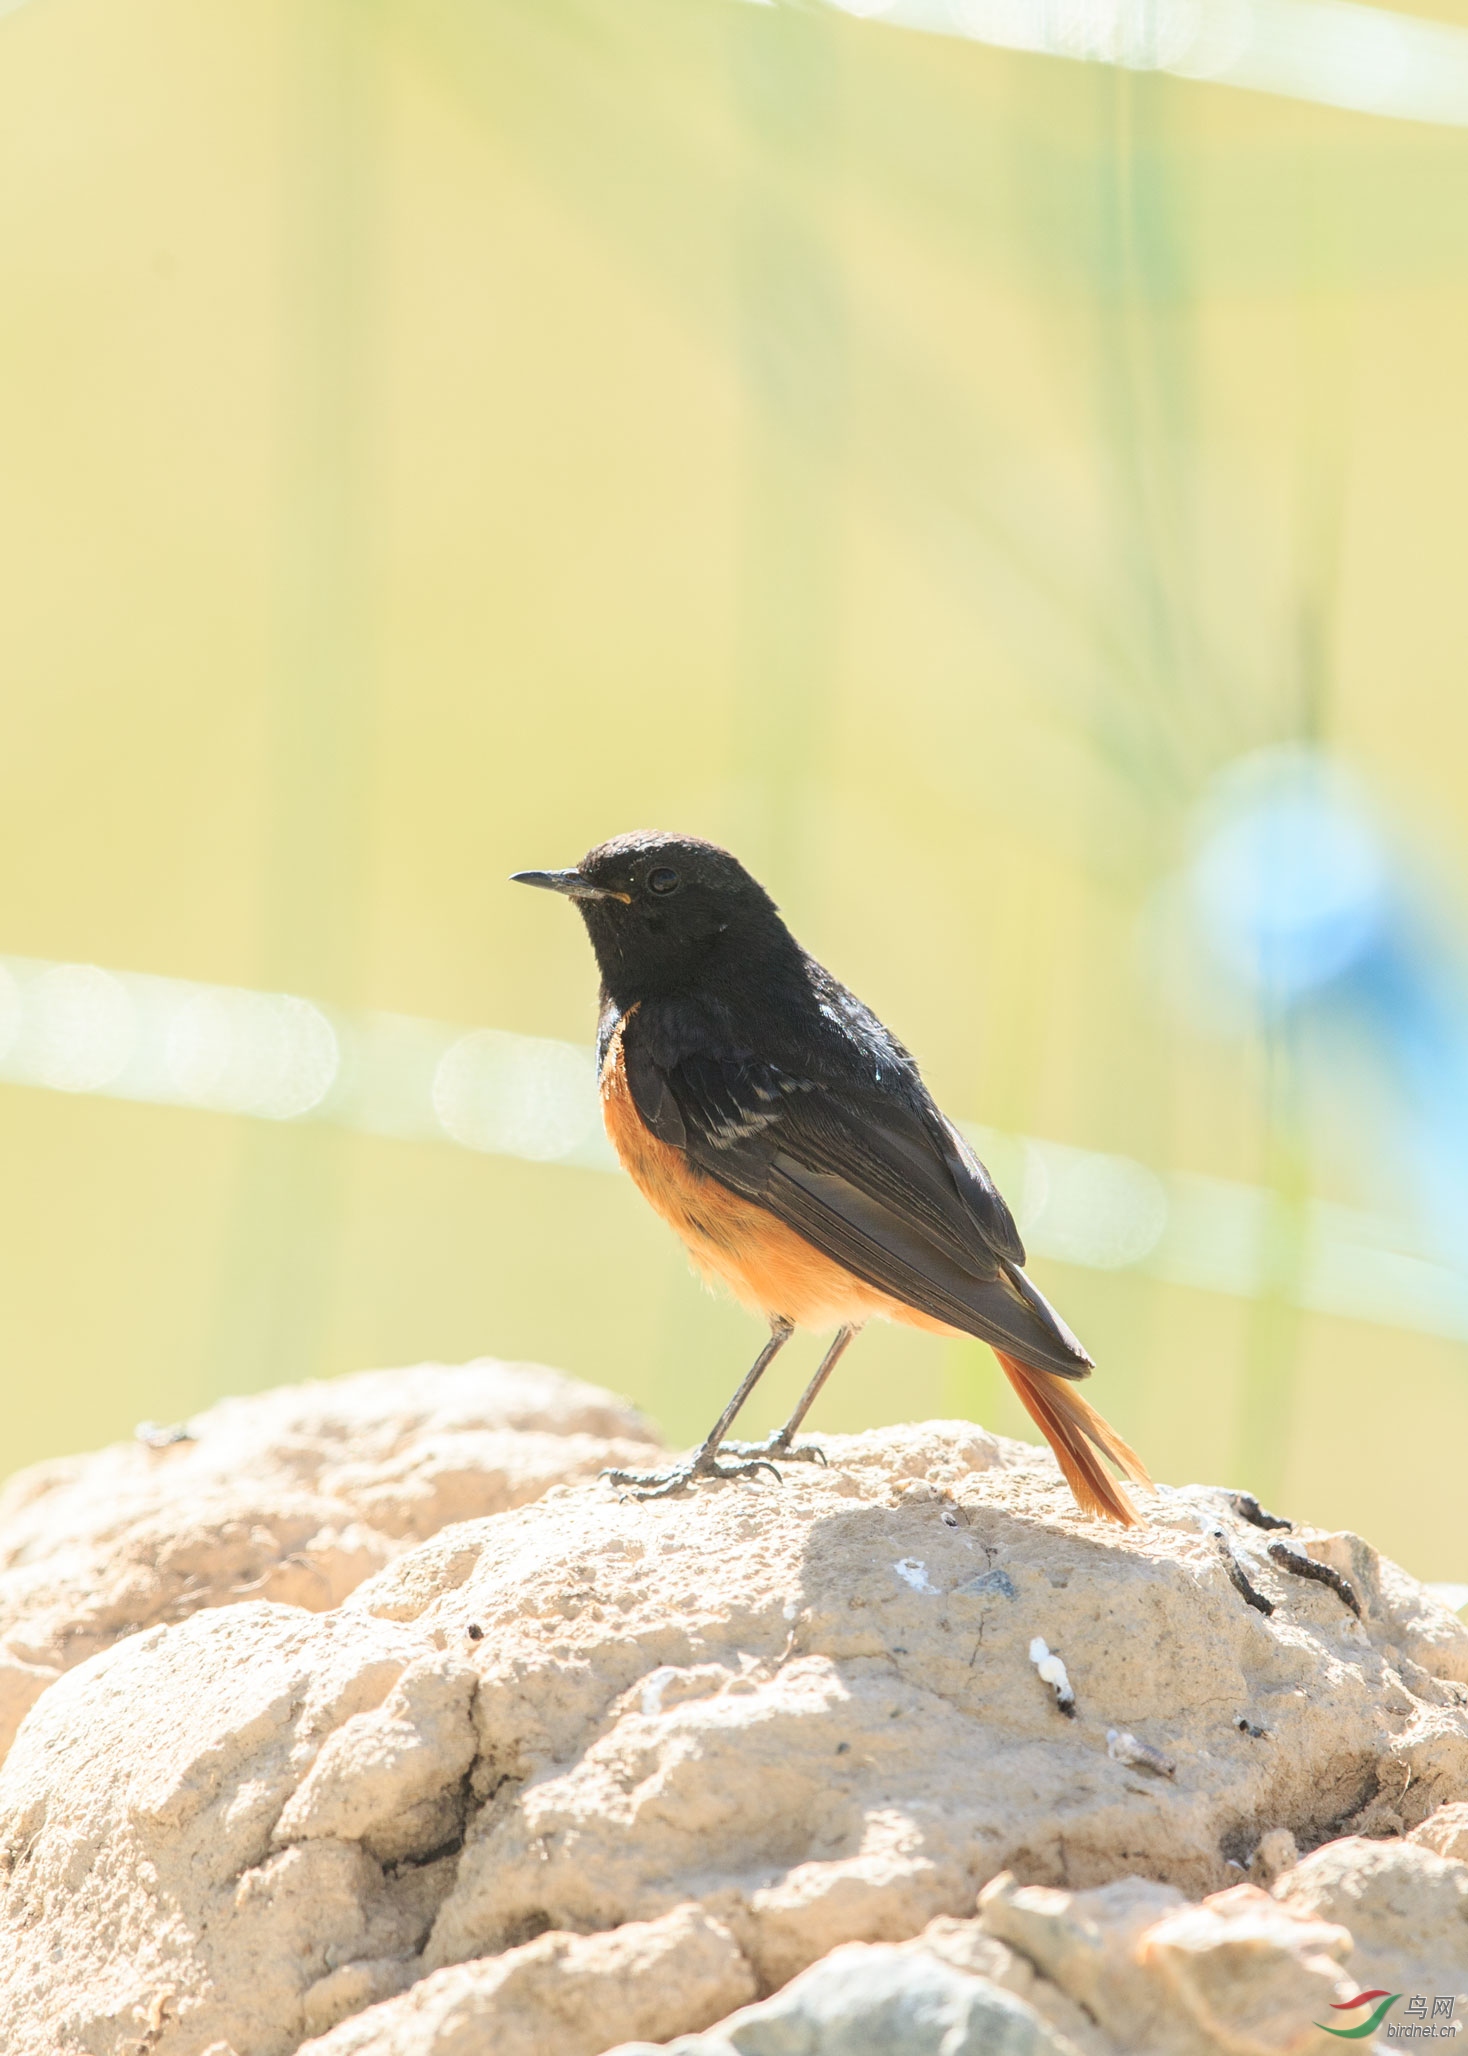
(571, 883)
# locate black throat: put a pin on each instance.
(731, 958)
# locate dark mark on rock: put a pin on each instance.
(1247, 1507)
(1304, 1566)
(986, 1583)
(1238, 1577)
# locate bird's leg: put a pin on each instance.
(779, 1444)
(705, 1463)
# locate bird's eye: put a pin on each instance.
(663, 880)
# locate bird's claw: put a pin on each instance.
(788, 1452)
(663, 1484)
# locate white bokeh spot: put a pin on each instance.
(81, 1028)
(514, 1095)
(269, 1054)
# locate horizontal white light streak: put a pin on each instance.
(128, 1035)
(1332, 52)
(77, 1028)
(1221, 1235)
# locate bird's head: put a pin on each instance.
(663, 910)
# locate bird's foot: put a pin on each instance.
(663, 1484)
(777, 1446)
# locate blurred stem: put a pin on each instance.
(1325, 360)
(282, 1237)
(1267, 1396)
(1155, 721)
(791, 353)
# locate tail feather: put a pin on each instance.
(1071, 1426)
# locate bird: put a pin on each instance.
(788, 1138)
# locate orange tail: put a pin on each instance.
(1070, 1426)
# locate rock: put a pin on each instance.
(561, 1993)
(1425, 1631)
(294, 1495)
(869, 2000)
(1084, 1944)
(1239, 1973)
(21, 1685)
(1276, 1853)
(141, 1887)
(390, 1778)
(1406, 1907)
(1445, 1831)
(1245, 1979)
(864, 1745)
(591, 1766)
(968, 1946)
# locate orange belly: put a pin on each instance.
(733, 1242)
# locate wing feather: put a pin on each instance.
(878, 1181)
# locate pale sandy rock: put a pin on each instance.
(1238, 1975)
(390, 1778)
(1445, 1831)
(968, 1945)
(875, 2000)
(821, 1696)
(1275, 1853)
(1406, 1907)
(1085, 1945)
(1424, 1631)
(1249, 1981)
(137, 1810)
(350, 1989)
(808, 1709)
(1413, 1628)
(294, 1495)
(561, 1995)
(21, 1685)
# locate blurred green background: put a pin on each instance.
(438, 436)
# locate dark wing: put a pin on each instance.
(878, 1181)
(980, 1194)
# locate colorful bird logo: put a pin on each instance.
(1373, 2020)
